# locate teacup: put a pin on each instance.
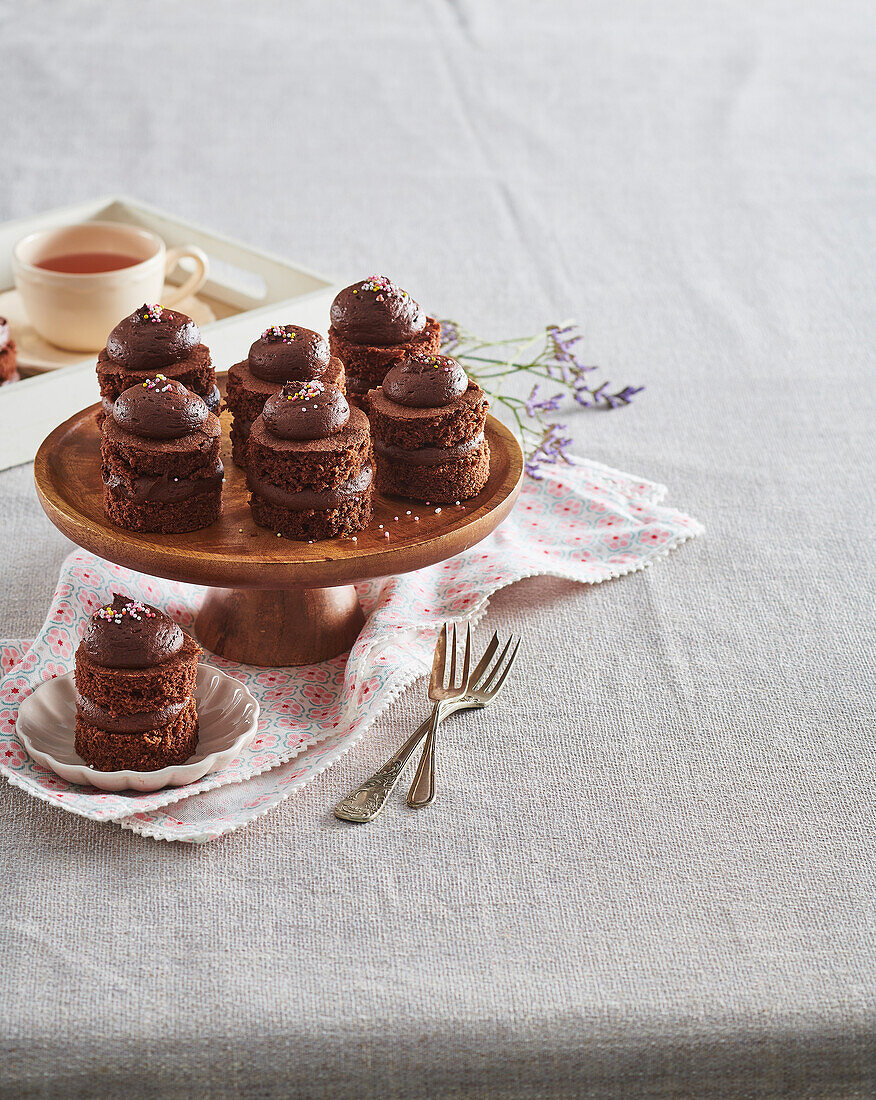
(107, 270)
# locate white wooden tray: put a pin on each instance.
(247, 290)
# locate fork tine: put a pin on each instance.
(484, 661)
(452, 680)
(494, 690)
(485, 686)
(439, 660)
(466, 660)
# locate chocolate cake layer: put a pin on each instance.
(160, 518)
(239, 436)
(165, 745)
(366, 365)
(400, 426)
(316, 464)
(198, 450)
(458, 479)
(8, 362)
(127, 691)
(196, 374)
(348, 517)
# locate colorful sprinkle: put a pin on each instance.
(135, 610)
(150, 313)
(306, 392)
(380, 285)
(278, 332)
(159, 382)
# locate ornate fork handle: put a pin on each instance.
(366, 802)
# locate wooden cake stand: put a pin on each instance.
(271, 601)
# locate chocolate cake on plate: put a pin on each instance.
(283, 353)
(374, 325)
(309, 464)
(160, 459)
(155, 339)
(8, 354)
(135, 674)
(427, 422)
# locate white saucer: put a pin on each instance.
(39, 355)
(227, 712)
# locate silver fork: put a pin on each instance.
(366, 802)
(423, 787)
(482, 689)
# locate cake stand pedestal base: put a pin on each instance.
(272, 627)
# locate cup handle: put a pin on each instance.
(194, 282)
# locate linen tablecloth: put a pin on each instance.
(670, 891)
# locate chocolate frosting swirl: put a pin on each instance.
(159, 409)
(425, 382)
(4, 332)
(377, 313)
(152, 338)
(165, 488)
(310, 411)
(289, 353)
(130, 634)
(304, 499)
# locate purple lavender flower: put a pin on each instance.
(562, 343)
(550, 404)
(451, 338)
(553, 448)
(622, 397)
(590, 398)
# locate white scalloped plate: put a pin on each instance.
(227, 712)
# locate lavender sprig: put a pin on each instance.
(551, 448)
(552, 356)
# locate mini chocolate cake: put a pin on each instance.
(135, 674)
(155, 339)
(309, 464)
(376, 325)
(160, 459)
(428, 421)
(8, 354)
(283, 353)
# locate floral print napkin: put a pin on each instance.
(582, 521)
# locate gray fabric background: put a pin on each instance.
(649, 873)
